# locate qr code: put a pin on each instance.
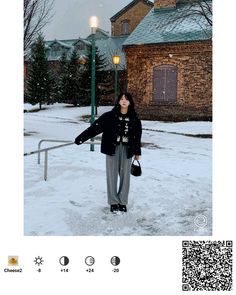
(207, 265)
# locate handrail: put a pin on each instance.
(52, 148)
(48, 140)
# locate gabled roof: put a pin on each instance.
(106, 46)
(171, 25)
(86, 42)
(127, 7)
(61, 43)
(68, 42)
(100, 34)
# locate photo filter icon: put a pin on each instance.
(12, 260)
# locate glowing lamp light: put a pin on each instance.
(93, 22)
(116, 59)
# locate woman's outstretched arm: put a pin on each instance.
(96, 128)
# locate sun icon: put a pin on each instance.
(38, 260)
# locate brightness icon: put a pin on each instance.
(38, 260)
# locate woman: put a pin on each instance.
(121, 140)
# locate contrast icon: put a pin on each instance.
(12, 260)
(38, 260)
(115, 260)
(64, 260)
(89, 260)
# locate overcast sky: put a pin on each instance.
(71, 17)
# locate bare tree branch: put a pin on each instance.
(37, 13)
(203, 8)
(195, 9)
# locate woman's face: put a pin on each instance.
(124, 102)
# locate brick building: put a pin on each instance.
(169, 58)
(127, 19)
(167, 54)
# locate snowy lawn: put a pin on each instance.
(172, 197)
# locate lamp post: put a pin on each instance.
(116, 62)
(93, 25)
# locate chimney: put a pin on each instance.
(159, 4)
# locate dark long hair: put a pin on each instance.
(128, 96)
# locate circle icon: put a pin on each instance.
(64, 260)
(200, 221)
(38, 260)
(115, 260)
(89, 260)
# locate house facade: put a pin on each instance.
(169, 59)
(126, 20)
(166, 58)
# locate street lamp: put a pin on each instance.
(93, 22)
(116, 62)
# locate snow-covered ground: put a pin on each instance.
(172, 197)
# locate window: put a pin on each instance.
(56, 47)
(80, 46)
(165, 83)
(125, 28)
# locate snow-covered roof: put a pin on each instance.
(61, 43)
(83, 41)
(180, 24)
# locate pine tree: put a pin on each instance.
(85, 82)
(62, 74)
(100, 78)
(69, 84)
(101, 75)
(39, 81)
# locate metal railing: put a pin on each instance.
(38, 151)
(49, 140)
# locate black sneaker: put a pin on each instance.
(122, 208)
(114, 208)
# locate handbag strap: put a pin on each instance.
(137, 161)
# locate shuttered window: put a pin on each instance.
(165, 83)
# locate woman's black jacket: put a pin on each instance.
(108, 124)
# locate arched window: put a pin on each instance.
(125, 27)
(165, 83)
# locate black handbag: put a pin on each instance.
(136, 169)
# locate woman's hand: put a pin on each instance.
(136, 157)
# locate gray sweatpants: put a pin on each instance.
(118, 164)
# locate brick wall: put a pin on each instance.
(134, 15)
(164, 4)
(194, 82)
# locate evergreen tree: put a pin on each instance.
(54, 97)
(62, 74)
(101, 76)
(69, 85)
(39, 81)
(85, 78)
(85, 82)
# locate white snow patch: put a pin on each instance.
(174, 189)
